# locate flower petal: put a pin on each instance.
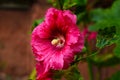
(56, 61)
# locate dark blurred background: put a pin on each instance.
(16, 3)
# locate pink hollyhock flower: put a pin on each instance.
(56, 40)
(89, 35)
(42, 76)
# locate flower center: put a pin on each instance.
(58, 42)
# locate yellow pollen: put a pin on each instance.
(55, 41)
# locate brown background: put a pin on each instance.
(16, 58)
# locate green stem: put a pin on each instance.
(91, 77)
(90, 70)
(60, 3)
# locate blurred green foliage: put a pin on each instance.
(72, 73)
(104, 20)
(36, 23)
(115, 76)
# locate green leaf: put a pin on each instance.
(99, 14)
(33, 75)
(73, 74)
(80, 17)
(58, 74)
(70, 3)
(117, 49)
(105, 23)
(115, 9)
(105, 60)
(111, 13)
(106, 17)
(80, 2)
(106, 37)
(36, 23)
(57, 3)
(115, 76)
